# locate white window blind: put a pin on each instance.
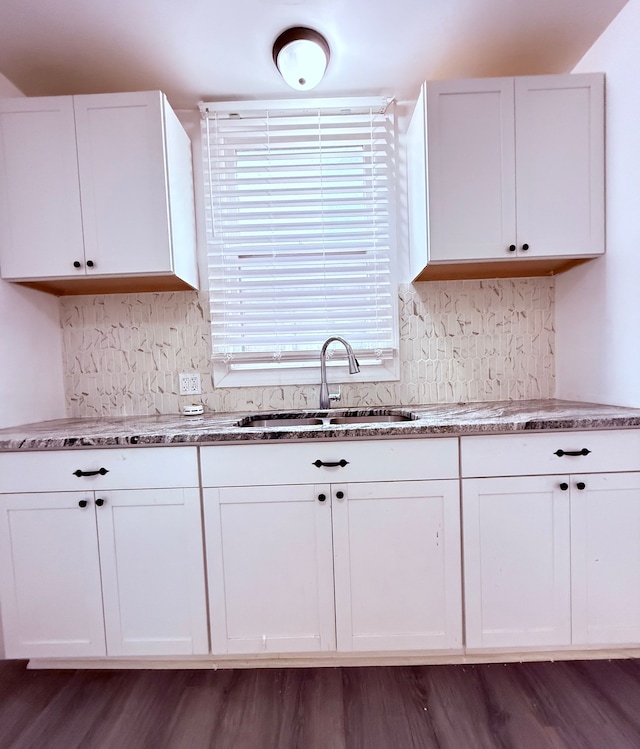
(299, 227)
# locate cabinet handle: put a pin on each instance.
(512, 248)
(341, 463)
(322, 497)
(82, 503)
(339, 495)
(77, 264)
(100, 471)
(560, 453)
(581, 485)
(100, 502)
(525, 247)
(90, 263)
(564, 486)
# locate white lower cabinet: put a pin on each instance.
(605, 558)
(397, 565)
(311, 567)
(50, 576)
(516, 562)
(270, 569)
(552, 561)
(94, 572)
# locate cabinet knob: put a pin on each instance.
(339, 495)
(100, 502)
(524, 247)
(82, 503)
(77, 264)
(322, 497)
(90, 263)
(581, 485)
(512, 248)
(564, 486)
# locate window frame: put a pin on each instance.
(266, 371)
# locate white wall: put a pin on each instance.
(598, 304)
(31, 384)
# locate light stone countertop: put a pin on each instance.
(442, 419)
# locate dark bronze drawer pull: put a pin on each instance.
(560, 453)
(341, 463)
(99, 472)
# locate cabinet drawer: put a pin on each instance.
(133, 468)
(528, 454)
(367, 460)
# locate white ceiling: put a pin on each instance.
(221, 49)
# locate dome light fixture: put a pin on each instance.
(301, 56)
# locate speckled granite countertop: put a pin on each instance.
(443, 419)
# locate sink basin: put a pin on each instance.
(278, 421)
(372, 419)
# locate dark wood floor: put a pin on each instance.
(577, 705)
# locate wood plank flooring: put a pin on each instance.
(570, 705)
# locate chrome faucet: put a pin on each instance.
(325, 398)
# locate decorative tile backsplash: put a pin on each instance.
(459, 341)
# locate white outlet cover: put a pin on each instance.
(190, 383)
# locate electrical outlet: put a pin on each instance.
(190, 383)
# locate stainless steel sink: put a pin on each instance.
(277, 421)
(285, 420)
(372, 419)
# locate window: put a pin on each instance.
(299, 238)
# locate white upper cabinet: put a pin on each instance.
(504, 169)
(96, 194)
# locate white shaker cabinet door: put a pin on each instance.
(471, 169)
(397, 565)
(40, 218)
(50, 576)
(123, 182)
(605, 554)
(516, 562)
(560, 164)
(152, 572)
(270, 569)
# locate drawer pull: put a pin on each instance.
(340, 463)
(560, 453)
(100, 472)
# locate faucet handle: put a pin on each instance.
(335, 396)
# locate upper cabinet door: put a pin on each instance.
(40, 220)
(560, 164)
(471, 168)
(122, 165)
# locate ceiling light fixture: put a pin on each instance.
(301, 55)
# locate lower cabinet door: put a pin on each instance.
(397, 565)
(270, 569)
(605, 555)
(152, 572)
(50, 576)
(516, 562)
